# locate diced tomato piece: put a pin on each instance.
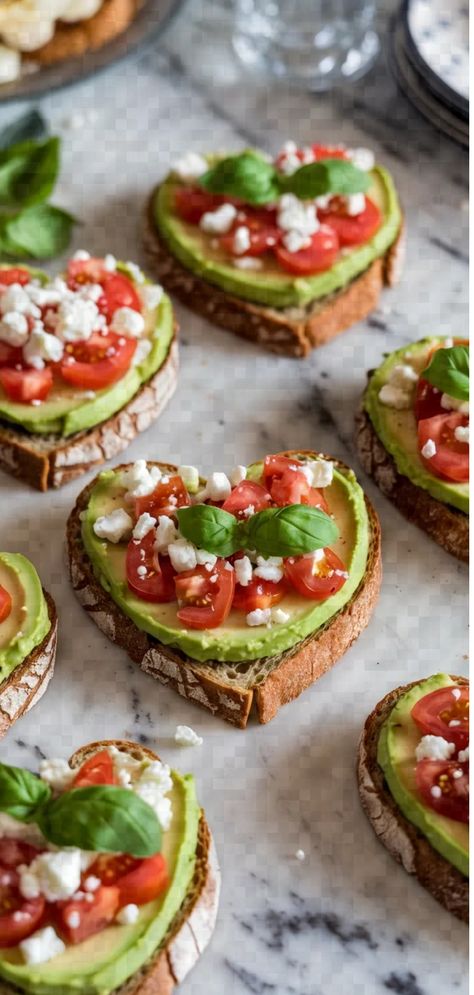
(246, 499)
(5, 603)
(329, 152)
(444, 787)
(14, 274)
(157, 583)
(427, 400)
(15, 852)
(352, 230)
(444, 712)
(79, 919)
(98, 769)
(287, 483)
(14, 927)
(168, 496)
(451, 459)
(314, 577)
(192, 202)
(264, 231)
(82, 271)
(205, 597)
(138, 881)
(258, 594)
(98, 362)
(26, 386)
(320, 254)
(10, 355)
(119, 290)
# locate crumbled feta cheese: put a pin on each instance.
(143, 526)
(218, 487)
(74, 919)
(76, 319)
(140, 480)
(355, 204)
(319, 473)
(115, 526)
(128, 915)
(92, 883)
(185, 736)
(206, 559)
(110, 263)
(182, 555)
(241, 241)
(42, 347)
(429, 449)
(243, 571)
(47, 296)
(362, 158)
(81, 256)
(166, 534)
(269, 569)
(260, 616)
(135, 272)
(294, 241)
(434, 748)
(394, 397)
(461, 433)
(15, 298)
(151, 294)
(153, 785)
(237, 475)
(41, 946)
(14, 329)
(295, 215)
(279, 616)
(463, 755)
(220, 221)
(403, 375)
(191, 166)
(54, 874)
(248, 262)
(128, 322)
(190, 477)
(456, 693)
(436, 791)
(57, 773)
(142, 352)
(126, 767)
(454, 404)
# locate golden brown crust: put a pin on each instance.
(47, 462)
(208, 685)
(28, 682)
(276, 330)
(448, 526)
(70, 41)
(403, 840)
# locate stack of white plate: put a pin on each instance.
(429, 54)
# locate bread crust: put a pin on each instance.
(28, 682)
(70, 41)
(401, 838)
(48, 462)
(290, 673)
(276, 330)
(448, 526)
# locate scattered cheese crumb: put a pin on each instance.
(114, 527)
(128, 915)
(434, 748)
(429, 449)
(185, 736)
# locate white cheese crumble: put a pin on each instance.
(166, 534)
(182, 555)
(436, 791)
(128, 322)
(128, 915)
(241, 240)
(42, 946)
(56, 875)
(190, 166)
(57, 773)
(259, 616)
(463, 755)
(403, 375)
(218, 487)
(14, 329)
(362, 158)
(42, 347)
(77, 319)
(237, 475)
(206, 559)
(319, 473)
(454, 404)
(394, 397)
(15, 298)
(142, 352)
(220, 221)
(185, 736)
(153, 785)
(110, 263)
(151, 294)
(294, 241)
(461, 433)
(295, 215)
(143, 526)
(354, 204)
(429, 449)
(269, 569)
(279, 616)
(139, 479)
(434, 748)
(398, 391)
(116, 526)
(74, 919)
(243, 571)
(248, 262)
(190, 477)
(92, 883)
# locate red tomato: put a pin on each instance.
(14, 275)
(451, 789)
(157, 585)
(258, 594)
(329, 152)
(82, 271)
(293, 488)
(10, 355)
(316, 579)
(14, 928)
(93, 916)
(275, 466)
(264, 231)
(14, 852)
(319, 256)
(165, 499)
(435, 712)
(5, 603)
(204, 603)
(25, 386)
(95, 365)
(451, 459)
(138, 881)
(352, 230)
(98, 769)
(427, 401)
(247, 495)
(119, 291)
(192, 202)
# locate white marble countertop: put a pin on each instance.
(346, 919)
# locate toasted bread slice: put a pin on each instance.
(401, 838)
(70, 41)
(28, 682)
(286, 331)
(46, 462)
(448, 526)
(228, 690)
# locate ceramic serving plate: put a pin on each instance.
(438, 45)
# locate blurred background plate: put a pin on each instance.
(149, 23)
(437, 34)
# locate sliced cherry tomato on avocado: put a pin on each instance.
(26, 386)
(275, 466)
(157, 584)
(91, 916)
(97, 363)
(249, 497)
(316, 578)
(119, 291)
(427, 401)
(352, 230)
(444, 787)
(205, 603)
(14, 927)
(14, 274)
(99, 769)
(320, 254)
(329, 152)
(258, 594)
(451, 459)
(293, 488)
(138, 881)
(165, 499)
(435, 712)
(264, 232)
(5, 603)
(14, 852)
(90, 270)
(10, 355)
(192, 202)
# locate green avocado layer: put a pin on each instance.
(28, 622)
(272, 286)
(399, 738)
(104, 962)
(398, 430)
(71, 411)
(234, 640)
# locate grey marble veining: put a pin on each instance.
(347, 919)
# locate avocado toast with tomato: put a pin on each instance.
(235, 591)
(28, 634)
(412, 436)
(87, 360)
(287, 252)
(109, 874)
(413, 774)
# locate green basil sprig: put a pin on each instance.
(448, 370)
(291, 531)
(102, 818)
(22, 795)
(251, 178)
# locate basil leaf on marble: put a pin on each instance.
(210, 528)
(31, 125)
(290, 531)
(22, 795)
(328, 176)
(448, 370)
(102, 818)
(247, 176)
(40, 231)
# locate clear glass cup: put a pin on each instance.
(314, 43)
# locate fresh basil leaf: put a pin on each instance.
(247, 176)
(448, 370)
(22, 795)
(38, 176)
(336, 176)
(41, 231)
(31, 125)
(290, 531)
(210, 528)
(102, 818)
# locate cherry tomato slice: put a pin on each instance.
(451, 460)
(119, 290)
(15, 852)
(192, 202)
(14, 274)
(165, 499)
(264, 232)
(10, 355)
(319, 256)
(82, 271)
(435, 712)
(91, 917)
(293, 488)
(329, 152)
(98, 769)
(205, 603)
(13, 927)
(5, 603)
(316, 578)
(444, 787)
(246, 499)
(138, 881)
(157, 584)
(258, 594)
(427, 401)
(26, 386)
(275, 466)
(353, 230)
(99, 362)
